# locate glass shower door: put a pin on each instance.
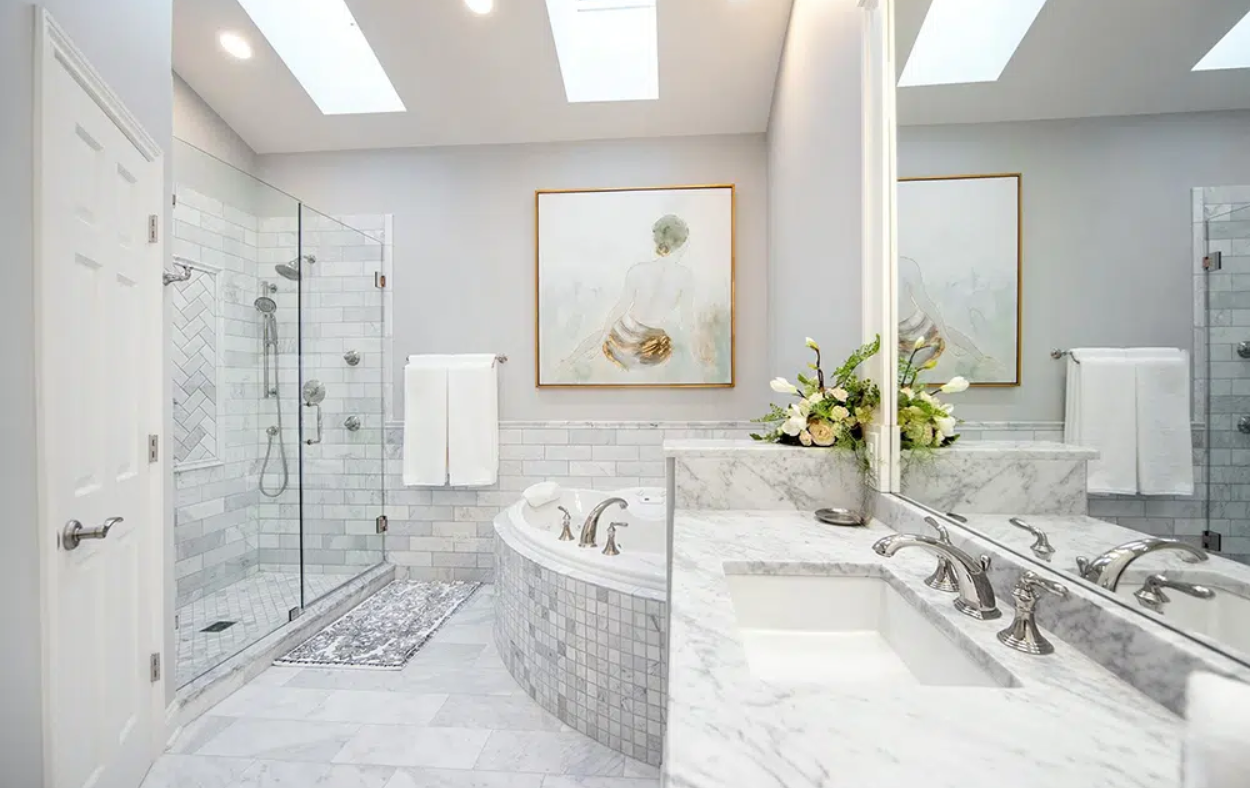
(341, 373)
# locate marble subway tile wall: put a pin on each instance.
(341, 311)
(447, 533)
(214, 342)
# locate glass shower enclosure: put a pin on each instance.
(276, 374)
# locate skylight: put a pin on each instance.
(325, 50)
(607, 49)
(1233, 50)
(968, 41)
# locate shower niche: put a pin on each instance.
(277, 497)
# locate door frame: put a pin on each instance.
(52, 44)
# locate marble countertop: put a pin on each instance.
(1035, 450)
(719, 447)
(1064, 721)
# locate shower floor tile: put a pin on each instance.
(258, 605)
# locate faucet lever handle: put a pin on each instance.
(1023, 634)
(1041, 544)
(943, 534)
(566, 533)
(611, 548)
(1032, 580)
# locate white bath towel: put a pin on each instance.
(1100, 412)
(1164, 436)
(1217, 729)
(473, 420)
(541, 494)
(425, 421)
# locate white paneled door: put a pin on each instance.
(98, 181)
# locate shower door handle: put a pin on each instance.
(317, 405)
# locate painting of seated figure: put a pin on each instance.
(635, 287)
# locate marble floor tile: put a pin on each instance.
(461, 680)
(553, 781)
(275, 676)
(639, 769)
(281, 740)
(273, 703)
(196, 733)
(379, 707)
(550, 753)
(284, 774)
(196, 771)
(496, 713)
(458, 778)
(436, 652)
(473, 633)
(408, 745)
(342, 679)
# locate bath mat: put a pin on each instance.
(385, 630)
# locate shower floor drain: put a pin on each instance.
(219, 626)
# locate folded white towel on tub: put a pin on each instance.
(1218, 727)
(541, 494)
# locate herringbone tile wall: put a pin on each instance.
(194, 347)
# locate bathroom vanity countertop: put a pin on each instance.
(1031, 450)
(1075, 536)
(1067, 721)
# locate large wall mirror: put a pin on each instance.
(1074, 273)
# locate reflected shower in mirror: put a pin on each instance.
(1074, 305)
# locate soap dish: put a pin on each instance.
(844, 517)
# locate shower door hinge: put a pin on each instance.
(154, 448)
(383, 524)
(1214, 261)
(294, 613)
(1212, 541)
(175, 196)
(379, 280)
(153, 226)
(154, 668)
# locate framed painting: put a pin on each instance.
(959, 250)
(635, 287)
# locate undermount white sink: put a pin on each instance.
(844, 630)
(1224, 618)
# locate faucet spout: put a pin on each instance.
(976, 595)
(1106, 569)
(590, 528)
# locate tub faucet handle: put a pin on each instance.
(611, 548)
(566, 535)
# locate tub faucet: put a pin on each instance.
(1106, 569)
(591, 526)
(976, 595)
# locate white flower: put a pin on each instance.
(839, 413)
(839, 394)
(812, 344)
(956, 385)
(805, 438)
(906, 392)
(800, 408)
(946, 424)
(816, 398)
(926, 397)
(783, 386)
(794, 425)
(919, 344)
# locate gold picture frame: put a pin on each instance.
(1019, 194)
(733, 312)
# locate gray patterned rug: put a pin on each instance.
(386, 629)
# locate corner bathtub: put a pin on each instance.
(586, 634)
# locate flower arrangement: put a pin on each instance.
(924, 421)
(825, 415)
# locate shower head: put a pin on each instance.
(265, 305)
(292, 269)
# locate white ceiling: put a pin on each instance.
(470, 79)
(1088, 58)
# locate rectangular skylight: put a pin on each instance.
(608, 49)
(1233, 50)
(968, 41)
(323, 47)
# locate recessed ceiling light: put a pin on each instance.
(235, 45)
(1232, 51)
(325, 50)
(968, 41)
(607, 48)
(480, 6)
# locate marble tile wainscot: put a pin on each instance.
(447, 533)
(588, 650)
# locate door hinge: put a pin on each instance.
(379, 280)
(153, 227)
(154, 668)
(383, 524)
(294, 613)
(175, 196)
(154, 448)
(1214, 261)
(1212, 541)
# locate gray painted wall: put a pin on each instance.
(196, 122)
(1107, 233)
(464, 252)
(128, 42)
(814, 174)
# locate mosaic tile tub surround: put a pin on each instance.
(589, 652)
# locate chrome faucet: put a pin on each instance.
(1023, 634)
(976, 595)
(1151, 596)
(1106, 569)
(591, 526)
(1041, 545)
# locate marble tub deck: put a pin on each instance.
(453, 718)
(1068, 721)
